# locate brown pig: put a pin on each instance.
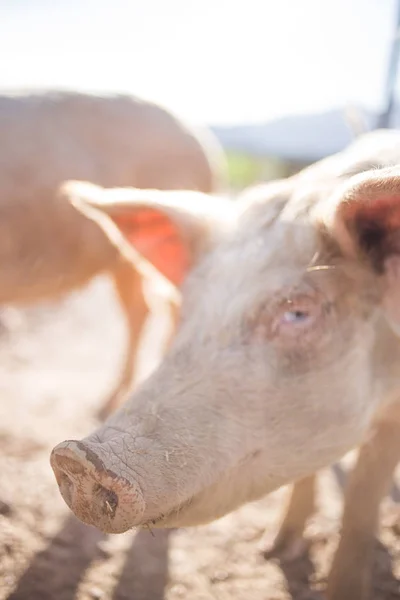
(50, 245)
(286, 356)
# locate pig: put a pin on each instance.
(50, 244)
(285, 357)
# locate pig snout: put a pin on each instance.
(94, 492)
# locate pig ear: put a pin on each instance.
(366, 224)
(171, 229)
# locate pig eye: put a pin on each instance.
(295, 316)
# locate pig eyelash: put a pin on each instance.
(314, 260)
(321, 268)
(313, 265)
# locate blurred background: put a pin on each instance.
(281, 83)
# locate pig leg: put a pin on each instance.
(128, 284)
(350, 576)
(290, 543)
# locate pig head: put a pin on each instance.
(284, 354)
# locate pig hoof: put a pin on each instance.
(288, 546)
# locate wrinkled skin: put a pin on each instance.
(285, 355)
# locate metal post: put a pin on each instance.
(384, 119)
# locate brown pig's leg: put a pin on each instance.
(129, 288)
(290, 543)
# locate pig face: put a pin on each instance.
(283, 355)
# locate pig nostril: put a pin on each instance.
(106, 499)
(67, 469)
(94, 493)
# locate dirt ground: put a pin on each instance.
(56, 364)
